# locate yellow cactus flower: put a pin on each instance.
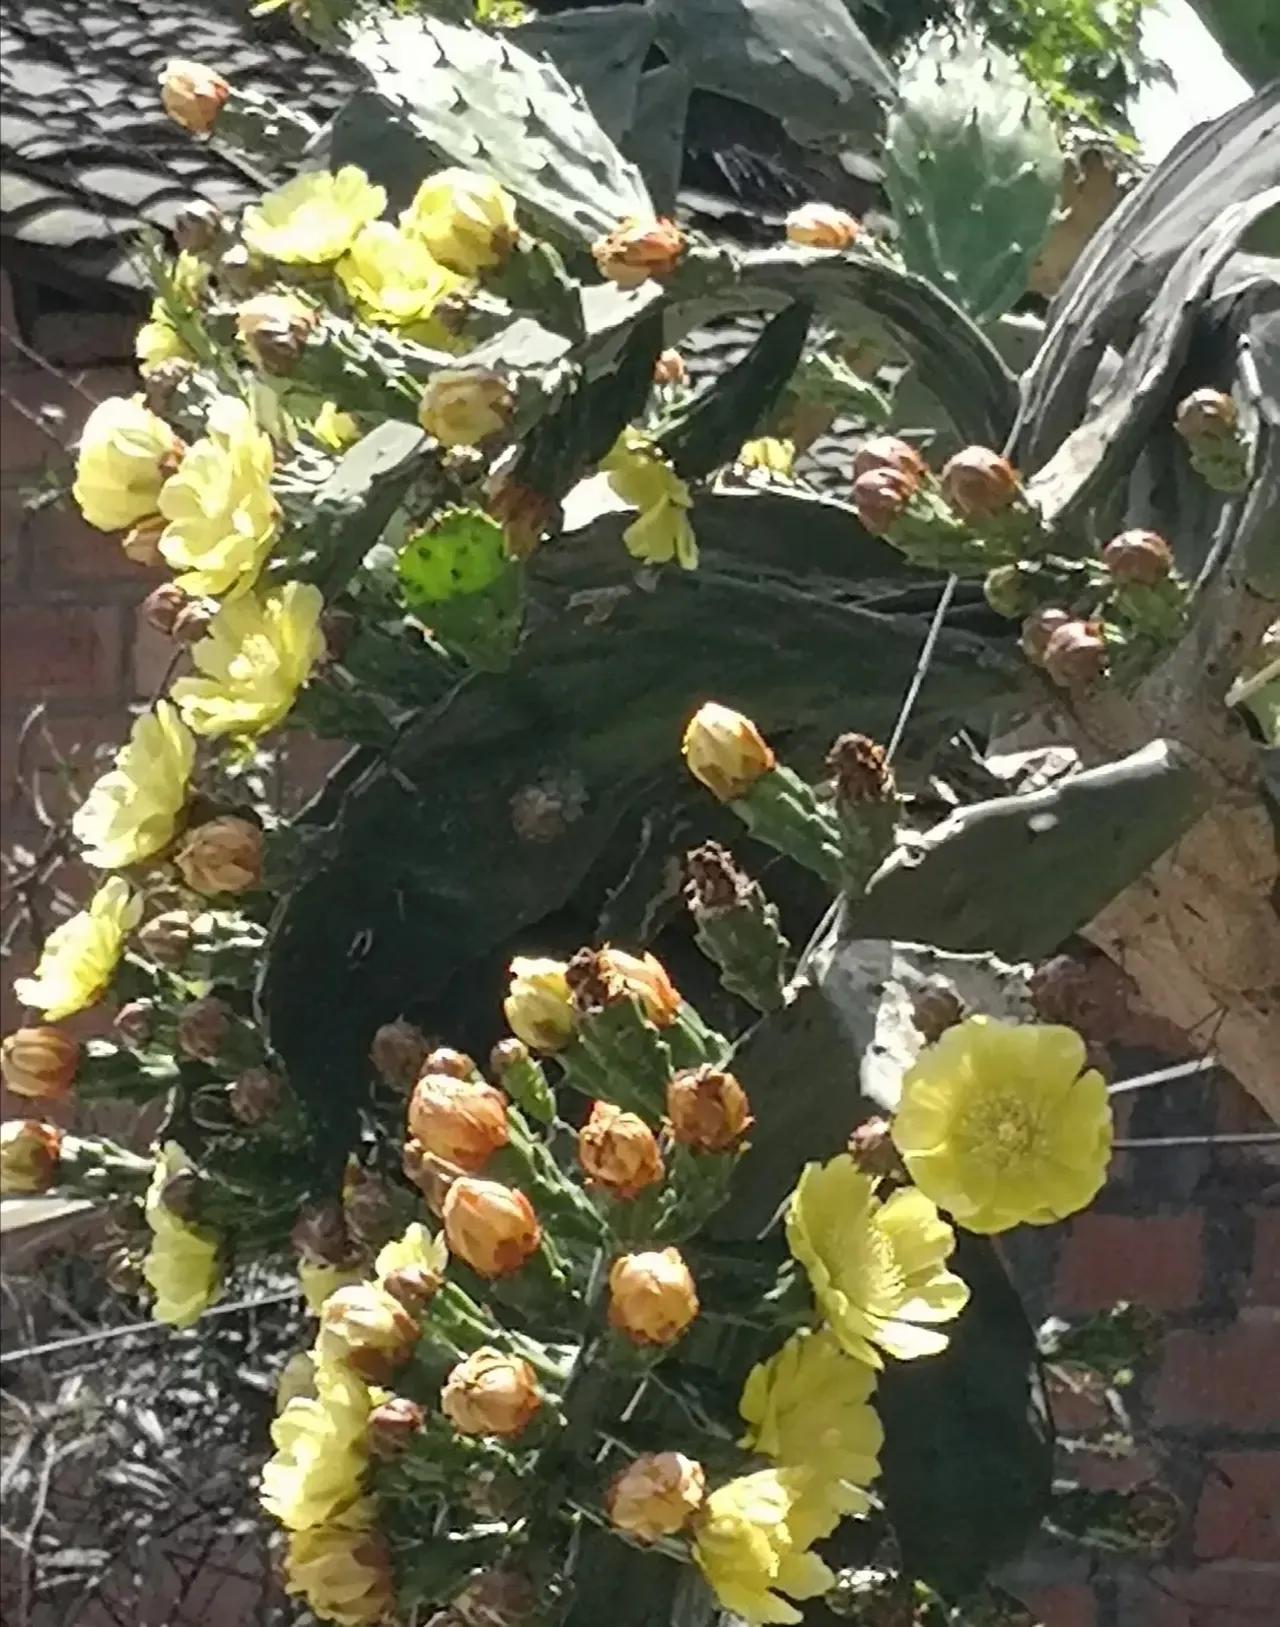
(80, 956)
(1002, 1123)
(639, 476)
(222, 514)
(768, 456)
(392, 278)
(30, 1152)
(877, 1268)
(809, 1407)
(258, 654)
(132, 811)
(158, 341)
(463, 408)
(318, 1280)
(334, 428)
(126, 455)
(725, 751)
(320, 1455)
(538, 1006)
(466, 221)
(752, 1541)
(342, 1569)
(313, 219)
(181, 1266)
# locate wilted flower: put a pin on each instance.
(392, 278)
(880, 498)
(39, 1063)
(255, 1096)
(223, 855)
(132, 811)
(320, 1235)
(1003, 1123)
(707, 1109)
(491, 1393)
(313, 219)
(467, 221)
(641, 476)
(342, 1570)
(652, 1297)
(538, 1005)
(80, 956)
(752, 1542)
(1206, 415)
(274, 329)
(197, 226)
(821, 226)
(639, 249)
(126, 455)
(599, 977)
(461, 1120)
(877, 1268)
(397, 1052)
(29, 1155)
(725, 751)
(1076, 655)
(859, 770)
(463, 407)
(162, 607)
(618, 1151)
(181, 1266)
(656, 1495)
(490, 1227)
(1039, 628)
(258, 655)
(203, 1028)
(1141, 557)
(192, 95)
(890, 452)
(166, 938)
(369, 1330)
(524, 514)
(321, 1450)
(871, 1148)
(411, 1267)
(979, 483)
(392, 1425)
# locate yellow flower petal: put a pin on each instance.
(80, 956)
(132, 811)
(258, 654)
(313, 219)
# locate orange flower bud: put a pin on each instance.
(707, 1110)
(646, 979)
(192, 95)
(652, 1297)
(221, 856)
(39, 1063)
(725, 751)
(880, 496)
(1039, 628)
(979, 483)
(670, 368)
(365, 1327)
(491, 1393)
(444, 1059)
(889, 452)
(490, 1227)
(29, 1154)
(1140, 557)
(461, 1120)
(656, 1496)
(397, 1053)
(619, 1152)
(392, 1425)
(1076, 655)
(821, 226)
(639, 249)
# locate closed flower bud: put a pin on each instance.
(979, 483)
(369, 1330)
(192, 621)
(464, 408)
(193, 95)
(392, 1425)
(198, 226)
(872, 1150)
(821, 226)
(1076, 655)
(256, 1095)
(524, 514)
(29, 1154)
(935, 1009)
(652, 1297)
(880, 497)
(656, 1496)
(491, 1393)
(463, 1121)
(203, 1028)
(508, 1053)
(725, 751)
(639, 249)
(670, 369)
(859, 771)
(715, 882)
(320, 1236)
(166, 939)
(444, 1059)
(223, 855)
(274, 329)
(889, 452)
(161, 607)
(1009, 592)
(397, 1053)
(1206, 415)
(619, 1152)
(1140, 557)
(490, 1227)
(135, 1024)
(707, 1109)
(538, 1006)
(1039, 628)
(39, 1063)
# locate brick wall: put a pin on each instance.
(1194, 1234)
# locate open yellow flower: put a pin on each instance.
(181, 1266)
(320, 1455)
(158, 341)
(752, 1541)
(468, 222)
(639, 476)
(315, 218)
(80, 956)
(126, 454)
(342, 1569)
(877, 1268)
(334, 428)
(132, 811)
(222, 514)
(809, 1407)
(317, 1280)
(392, 277)
(1002, 1123)
(258, 654)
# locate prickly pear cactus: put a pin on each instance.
(973, 168)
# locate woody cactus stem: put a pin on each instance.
(866, 803)
(737, 928)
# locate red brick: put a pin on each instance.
(1068, 1605)
(1155, 1260)
(1239, 1512)
(151, 658)
(42, 410)
(68, 553)
(1264, 1284)
(1225, 1380)
(1099, 1471)
(1228, 1594)
(1077, 1410)
(60, 758)
(59, 652)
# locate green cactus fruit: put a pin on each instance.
(973, 170)
(455, 573)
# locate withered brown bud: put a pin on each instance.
(1038, 629)
(123, 1272)
(429, 1174)
(166, 938)
(222, 855)
(619, 1152)
(414, 1286)
(935, 1009)
(192, 621)
(320, 1237)
(180, 1194)
(1206, 415)
(392, 1425)
(198, 226)
(338, 628)
(274, 329)
(715, 882)
(979, 483)
(524, 514)
(161, 607)
(872, 1150)
(367, 1205)
(203, 1028)
(1090, 994)
(398, 1052)
(880, 497)
(163, 381)
(707, 1109)
(238, 272)
(889, 452)
(256, 1096)
(508, 1053)
(135, 1023)
(860, 771)
(444, 1059)
(142, 542)
(1141, 557)
(1076, 655)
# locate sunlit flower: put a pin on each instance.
(318, 1280)
(222, 515)
(39, 1063)
(321, 1453)
(490, 1227)
(656, 1495)
(877, 1268)
(29, 1155)
(491, 1393)
(342, 1569)
(392, 277)
(752, 1542)
(463, 1121)
(313, 219)
(1002, 1123)
(538, 1005)
(132, 811)
(411, 1267)
(80, 956)
(466, 221)
(258, 654)
(126, 455)
(181, 1266)
(725, 751)
(619, 1152)
(334, 428)
(652, 1296)
(640, 476)
(367, 1328)
(222, 855)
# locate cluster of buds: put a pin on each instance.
(1209, 422)
(636, 250)
(39, 1063)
